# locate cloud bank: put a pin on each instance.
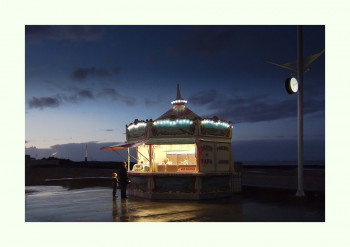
(76, 152)
(35, 33)
(204, 40)
(77, 96)
(80, 74)
(44, 102)
(264, 150)
(255, 108)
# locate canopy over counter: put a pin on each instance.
(123, 146)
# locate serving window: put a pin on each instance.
(167, 158)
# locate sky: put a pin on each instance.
(83, 84)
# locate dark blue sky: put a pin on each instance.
(84, 83)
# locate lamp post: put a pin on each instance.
(300, 73)
(294, 86)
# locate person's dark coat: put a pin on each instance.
(124, 180)
(123, 175)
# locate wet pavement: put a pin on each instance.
(95, 204)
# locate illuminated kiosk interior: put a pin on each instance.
(180, 156)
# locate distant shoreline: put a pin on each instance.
(282, 163)
(272, 176)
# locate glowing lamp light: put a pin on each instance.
(211, 123)
(177, 122)
(291, 85)
(136, 126)
(179, 102)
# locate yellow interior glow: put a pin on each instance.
(169, 158)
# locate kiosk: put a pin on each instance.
(181, 156)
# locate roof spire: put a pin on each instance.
(178, 96)
(179, 100)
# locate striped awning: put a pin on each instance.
(125, 145)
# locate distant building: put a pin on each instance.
(85, 153)
(46, 161)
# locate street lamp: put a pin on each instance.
(300, 75)
(294, 85)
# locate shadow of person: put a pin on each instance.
(116, 212)
(125, 206)
(124, 210)
(120, 210)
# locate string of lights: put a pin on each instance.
(168, 122)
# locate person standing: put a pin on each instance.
(115, 182)
(124, 180)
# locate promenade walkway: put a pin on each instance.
(95, 204)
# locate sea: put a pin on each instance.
(282, 163)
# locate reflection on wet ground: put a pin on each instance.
(95, 204)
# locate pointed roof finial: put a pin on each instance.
(178, 96)
(179, 100)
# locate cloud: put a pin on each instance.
(78, 95)
(204, 40)
(86, 94)
(255, 108)
(267, 110)
(277, 150)
(35, 33)
(130, 101)
(203, 97)
(82, 73)
(55, 101)
(110, 92)
(38, 153)
(149, 102)
(114, 95)
(76, 152)
(43, 102)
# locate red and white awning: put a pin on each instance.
(125, 145)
